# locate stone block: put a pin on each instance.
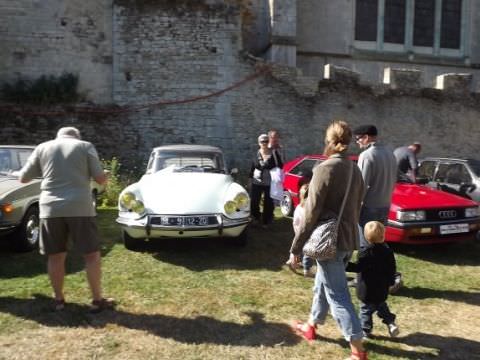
(340, 74)
(454, 83)
(402, 78)
(284, 73)
(306, 86)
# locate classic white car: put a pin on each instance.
(185, 192)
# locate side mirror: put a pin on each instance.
(234, 171)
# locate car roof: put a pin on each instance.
(188, 147)
(17, 147)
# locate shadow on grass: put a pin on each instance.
(198, 330)
(439, 347)
(266, 249)
(472, 298)
(464, 253)
(32, 263)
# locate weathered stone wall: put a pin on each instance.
(49, 37)
(167, 54)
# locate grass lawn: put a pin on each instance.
(210, 300)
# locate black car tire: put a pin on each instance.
(131, 243)
(27, 235)
(286, 205)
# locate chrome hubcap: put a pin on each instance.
(32, 229)
(285, 205)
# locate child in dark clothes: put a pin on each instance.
(376, 273)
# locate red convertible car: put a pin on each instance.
(418, 214)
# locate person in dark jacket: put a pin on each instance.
(376, 270)
(265, 160)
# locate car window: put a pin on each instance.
(465, 177)
(13, 159)
(304, 167)
(189, 162)
(441, 175)
(5, 161)
(453, 174)
(427, 169)
(150, 163)
(22, 157)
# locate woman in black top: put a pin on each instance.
(265, 160)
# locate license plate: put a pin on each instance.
(185, 220)
(454, 228)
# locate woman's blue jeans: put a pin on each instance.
(331, 291)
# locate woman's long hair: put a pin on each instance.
(337, 138)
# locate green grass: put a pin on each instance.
(207, 299)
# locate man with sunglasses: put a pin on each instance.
(379, 170)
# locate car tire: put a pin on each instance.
(27, 235)
(286, 204)
(130, 242)
(241, 240)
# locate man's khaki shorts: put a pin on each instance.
(56, 232)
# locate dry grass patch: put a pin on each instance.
(210, 300)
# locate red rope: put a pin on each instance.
(91, 110)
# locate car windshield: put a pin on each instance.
(188, 162)
(475, 166)
(13, 159)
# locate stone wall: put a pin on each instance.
(164, 55)
(49, 37)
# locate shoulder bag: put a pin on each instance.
(322, 244)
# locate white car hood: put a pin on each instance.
(184, 193)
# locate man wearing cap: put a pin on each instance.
(379, 170)
(407, 159)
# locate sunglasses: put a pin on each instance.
(264, 142)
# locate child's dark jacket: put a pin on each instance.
(376, 273)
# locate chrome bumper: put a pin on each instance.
(143, 228)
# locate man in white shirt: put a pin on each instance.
(66, 165)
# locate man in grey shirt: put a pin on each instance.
(379, 170)
(67, 165)
(407, 159)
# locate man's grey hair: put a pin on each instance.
(69, 131)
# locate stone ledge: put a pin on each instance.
(402, 78)
(304, 86)
(340, 74)
(454, 83)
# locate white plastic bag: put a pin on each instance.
(276, 183)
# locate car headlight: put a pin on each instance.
(472, 212)
(230, 207)
(242, 200)
(417, 215)
(137, 206)
(127, 199)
